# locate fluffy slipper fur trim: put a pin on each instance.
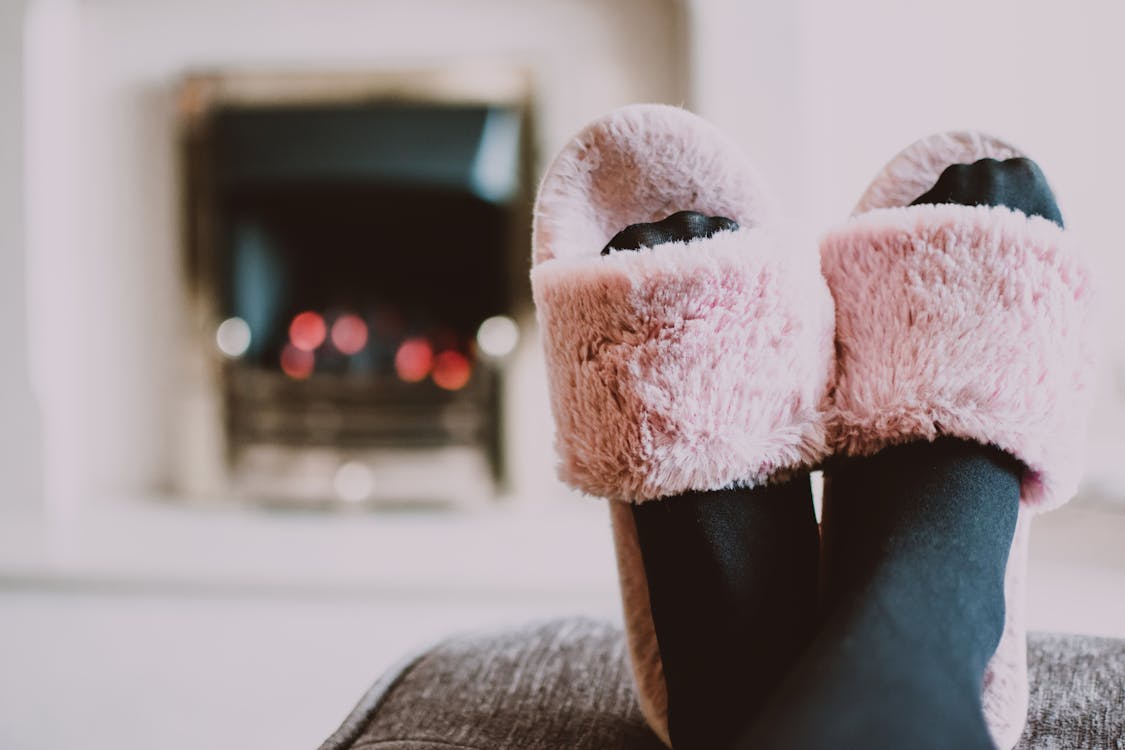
(971, 321)
(691, 366)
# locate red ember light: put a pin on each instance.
(307, 331)
(297, 363)
(414, 359)
(452, 370)
(349, 334)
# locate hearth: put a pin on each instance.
(356, 248)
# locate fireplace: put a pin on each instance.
(356, 250)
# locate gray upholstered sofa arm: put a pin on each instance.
(565, 685)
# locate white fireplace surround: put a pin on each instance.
(91, 296)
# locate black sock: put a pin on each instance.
(679, 227)
(732, 575)
(916, 541)
(732, 579)
(1016, 183)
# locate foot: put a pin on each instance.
(916, 541)
(731, 573)
(682, 226)
(1017, 183)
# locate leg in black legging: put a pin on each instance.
(731, 574)
(921, 534)
(916, 546)
(732, 578)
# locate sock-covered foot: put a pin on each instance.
(916, 542)
(732, 574)
(1016, 183)
(682, 226)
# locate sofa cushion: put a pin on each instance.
(565, 685)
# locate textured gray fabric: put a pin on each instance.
(1077, 693)
(546, 686)
(360, 718)
(565, 685)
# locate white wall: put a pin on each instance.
(20, 459)
(746, 64)
(105, 181)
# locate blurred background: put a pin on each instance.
(273, 406)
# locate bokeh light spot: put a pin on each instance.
(349, 334)
(233, 337)
(452, 370)
(498, 336)
(414, 359)
(354, 482)
(297, 363)
(307, 331)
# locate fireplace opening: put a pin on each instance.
(354, 264)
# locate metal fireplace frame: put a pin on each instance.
(200, 96)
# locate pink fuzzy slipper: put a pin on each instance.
(972, 322)
(693, 366)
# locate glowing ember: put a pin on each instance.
(414, 359)
(307, 331)
(349, 334)
(297, 363)
(452, 370)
